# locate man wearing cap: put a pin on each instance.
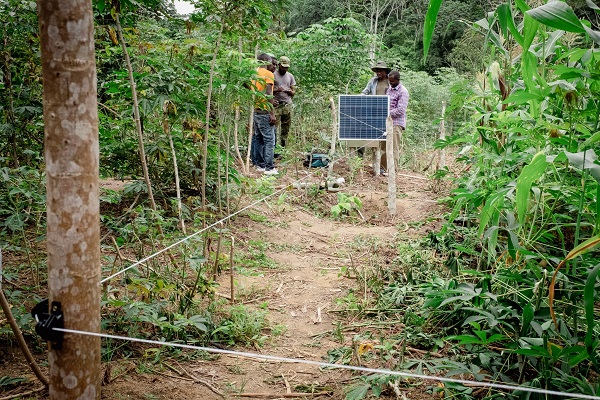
(263, 139)
(283, 91)
(398, 103)
(379, 84)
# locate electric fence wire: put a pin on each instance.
(185, 239)
(400, 374)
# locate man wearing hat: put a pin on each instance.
(283, 91)
(379, 84)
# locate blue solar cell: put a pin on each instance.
(362, 117)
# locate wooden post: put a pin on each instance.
(333, 138)
(442, 160)
(231, 289)
(376, 160)
(71, 152)
(391, 164)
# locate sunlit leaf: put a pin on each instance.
(558, 15)
(529, 174)
(507, 23)
(429, 25)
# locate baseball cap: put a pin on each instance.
(284, 62)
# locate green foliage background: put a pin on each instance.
(513, 297)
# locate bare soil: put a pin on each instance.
(313, 256)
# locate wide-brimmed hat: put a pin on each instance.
(381, 65)
(284, 62)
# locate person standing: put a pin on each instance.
(263, 138)
(398, 103)
(377, 85)
(283, 91)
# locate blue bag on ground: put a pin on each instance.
(316, 160)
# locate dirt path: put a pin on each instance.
(300, 293)
(312, 256)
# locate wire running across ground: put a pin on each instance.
(185, 239)
(320, 364)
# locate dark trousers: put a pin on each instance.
(263, 142)
(284, 117)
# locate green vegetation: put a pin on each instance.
(505, 290)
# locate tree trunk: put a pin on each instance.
(72, 156)
(167, 130)
(136, 114)
(206, 133)
(138, 125)
(236, 121)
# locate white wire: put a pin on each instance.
(364, 123)
(135, 264)
(340, 366)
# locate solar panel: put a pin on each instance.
(362, 117)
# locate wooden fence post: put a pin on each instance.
(442, 160)
(333, 138)
(391, 164)
(72, 154)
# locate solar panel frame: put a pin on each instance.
(362, 118)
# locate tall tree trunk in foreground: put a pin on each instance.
(73, 233)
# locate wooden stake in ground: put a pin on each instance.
(72, 154)
(333, 138)
(19, 337)
(391, 163)
(232, 290)
(442, 160)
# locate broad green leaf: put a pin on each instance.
(466, 339)
(429, 25)
(558, 15)
(584, 247)
(529, 174)
(505, 18)
(585, 160)
(522, 6)
(358, 392)
(530, 28)
(527, 318)
(548, 47)
(592, 5)
(521, 97)
(513, 245)
(564, 72)
(594, 35)
(492, 207)
(504, 15)
(490, 34)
